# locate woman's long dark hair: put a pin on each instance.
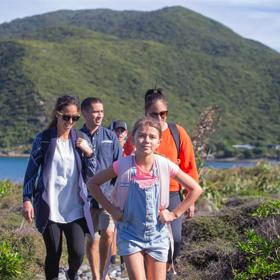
(62, 102)
(152, 96)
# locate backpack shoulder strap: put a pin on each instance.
(176, 136)
(124, 169)
(164, 179)
(120, 191)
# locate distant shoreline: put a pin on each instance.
(231, 159)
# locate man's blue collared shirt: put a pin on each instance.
(106, 148)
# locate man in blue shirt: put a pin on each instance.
(106, 150)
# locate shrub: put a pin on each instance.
(270, 208)
(261, 254)
(261, 251)
(10, 262)
(5, 187)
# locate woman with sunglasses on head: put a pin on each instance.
(156, 106)
(59, 194)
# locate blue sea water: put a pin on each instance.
(13, 168)
(229, 164)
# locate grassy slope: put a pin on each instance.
(197, 61)
(129, 67)
(21, 110)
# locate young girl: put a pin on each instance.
(142, 236)
(156, 107)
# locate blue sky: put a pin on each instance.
(254, 19)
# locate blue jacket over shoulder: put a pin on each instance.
(37, 178)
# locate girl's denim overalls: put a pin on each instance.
(140, 229)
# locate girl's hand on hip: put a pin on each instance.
(166, 216)
(117, 214)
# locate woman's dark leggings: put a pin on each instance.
(176, 226)
(75, 238)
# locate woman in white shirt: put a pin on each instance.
(59, 198)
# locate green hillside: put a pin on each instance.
(118, 55)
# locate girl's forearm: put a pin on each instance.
(94, 187)
(101, 198)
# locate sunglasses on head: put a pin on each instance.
(162, 114)
(67, 118)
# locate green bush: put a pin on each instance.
(271, 208)
(10, 262)
(261, 255)
(5, 187)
